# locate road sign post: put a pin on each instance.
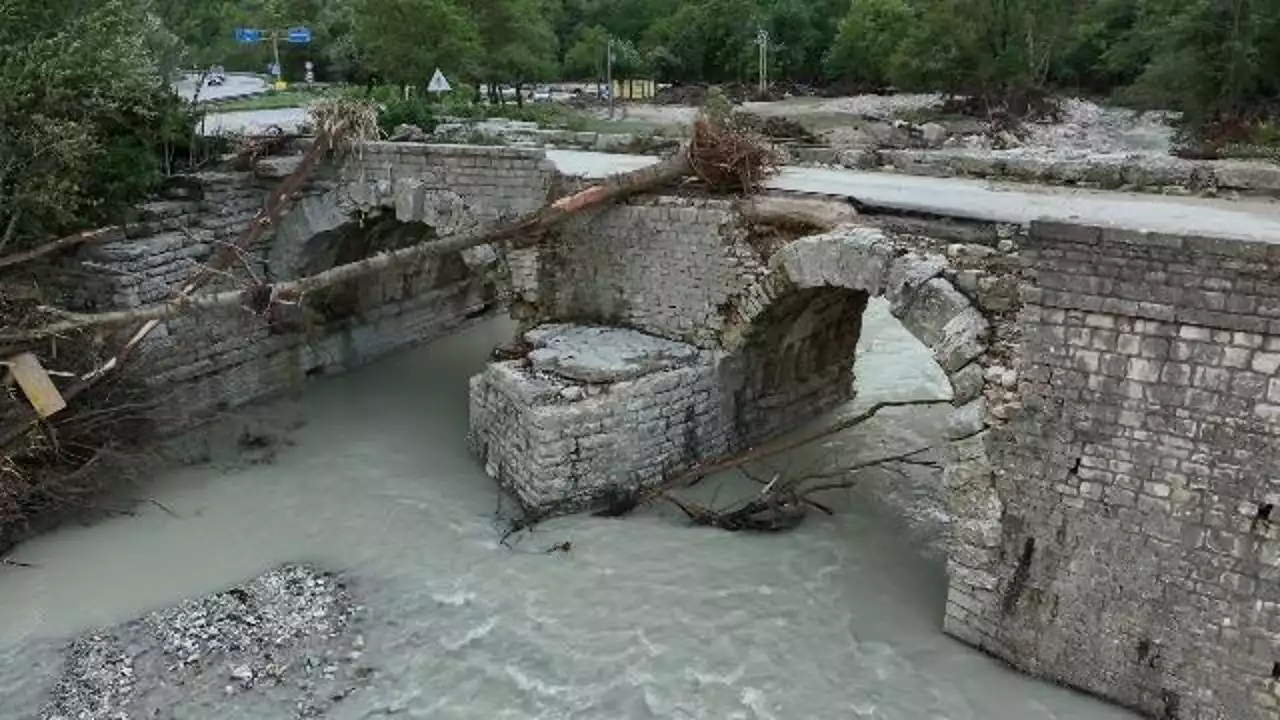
(762, 39)
(608, 73)
(438, 83)
(299, 35)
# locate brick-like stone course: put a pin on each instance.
(606, 265)
(785, 322)
(564, 438)
(217, 360)
(1138, 554)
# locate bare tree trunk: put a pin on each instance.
(280, 199)
(611, 189)
(80, 238)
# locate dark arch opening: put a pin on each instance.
(343, 304)
(797, 361)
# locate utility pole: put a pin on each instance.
(299, 35)
(275, 51)
(608, 73)
(762, 39)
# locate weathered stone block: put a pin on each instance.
(929, 315)
(856, 258)
(906, 275)
(594, 414)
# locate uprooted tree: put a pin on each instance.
(784, 498)
(723, 155)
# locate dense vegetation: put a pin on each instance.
(87, 121)
(1210, 58)
(87, 124)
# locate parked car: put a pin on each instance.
(542, 94)
(217, 76)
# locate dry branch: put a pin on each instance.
(54, 246)
(781, 445)
(721, 154)
(782, 503)
(810, 214)
(718, 153)
(611, 189)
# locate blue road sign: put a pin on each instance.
(300, 35)
(248, 35)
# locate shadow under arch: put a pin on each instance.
(791, 341)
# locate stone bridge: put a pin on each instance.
(1116, 392)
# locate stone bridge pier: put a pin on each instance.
(1116, 400)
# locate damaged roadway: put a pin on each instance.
(992, 202)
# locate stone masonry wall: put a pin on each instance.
(1140, 548)
(785, 317)
(1114, 524)
(212, 361)
(664, 265)
(796, 364)
(593, 414)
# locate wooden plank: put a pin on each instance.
(36, 384)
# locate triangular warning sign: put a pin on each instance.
(438, 83)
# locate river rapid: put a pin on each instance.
(644, 617)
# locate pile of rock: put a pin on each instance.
(287, 641)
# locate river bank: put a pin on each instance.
(368, 478)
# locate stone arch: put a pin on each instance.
(829, 278)
(418, 200)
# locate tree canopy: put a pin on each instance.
(87, 123)
(1207, 57)
(84, 107)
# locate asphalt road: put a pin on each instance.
(958, 197)
(236, 85)
(1257, 220)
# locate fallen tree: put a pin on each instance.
(724, 156)
(781, 504)
(720, 154)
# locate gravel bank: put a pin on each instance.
(286, 644)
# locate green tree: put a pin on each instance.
(798, 35)
(519, 40)
(1211, 59)
(707, 40)
(585, 57)
(84, 109)
(404, 41)
(866, 42)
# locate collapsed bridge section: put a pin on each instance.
(1115, 417)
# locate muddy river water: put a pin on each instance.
(644, 617)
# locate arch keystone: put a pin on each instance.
(855, 258)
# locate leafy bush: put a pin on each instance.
(412, 110)
(79, 145)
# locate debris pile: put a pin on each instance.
(288, 639)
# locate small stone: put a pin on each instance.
(573, 393)
(994, 373)
(1006, 246)
(243, 673)
(966, 421)
(933, 134)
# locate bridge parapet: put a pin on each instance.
(385, 194)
